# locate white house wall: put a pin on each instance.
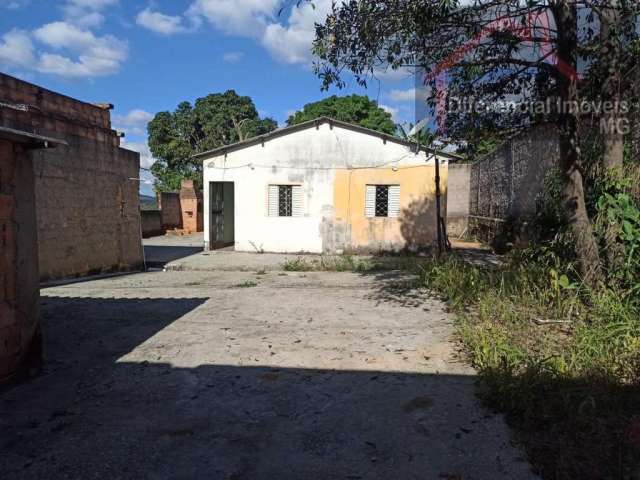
(312, 158)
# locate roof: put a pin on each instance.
(34, 139)
(316, 123)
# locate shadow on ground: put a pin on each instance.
(157, 256)
(92, 415)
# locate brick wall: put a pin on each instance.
(192, 207)
(169, 205)
(151, 223)
(86, 194)
(20, 348)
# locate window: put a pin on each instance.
(285, 200)
(382, 201)
(285, 204)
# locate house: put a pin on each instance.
(321, 186)
(86, 190)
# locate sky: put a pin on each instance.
(146, 56)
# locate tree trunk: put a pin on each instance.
(570, 166)
(610, 53)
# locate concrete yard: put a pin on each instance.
(240, 375)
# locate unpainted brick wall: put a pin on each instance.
(192, 207)
(169, 205)
(151, 223)
(19, 324)
(87, 199)
(506, 184)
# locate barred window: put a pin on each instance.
(382, 201)
(285, 201)
(285, 206)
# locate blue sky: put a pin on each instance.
(147, 56)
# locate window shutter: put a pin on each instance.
(296, 201)
(394, 201)
(272, 201)
(370, 201)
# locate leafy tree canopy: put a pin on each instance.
(490, 53)
(356, 109)
(213, 121)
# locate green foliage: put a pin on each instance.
(298, 264)
(355, 109)
(557, 357)
(618, 226)
(213, 121)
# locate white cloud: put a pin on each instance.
(146, 159)
(16, 50)
(388, 74)
(96, 56)
(161, 23)
(393, 111)
(14, 4)
(287, 42)
(233, 57)
(240, 17)
(292, 43)
(86, 13)
(133, 123)
(65, 48)
(408, 95)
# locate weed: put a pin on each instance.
(298, 264)
(562, 361)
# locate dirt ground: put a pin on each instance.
(237, 375)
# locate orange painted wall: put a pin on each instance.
(416, 224)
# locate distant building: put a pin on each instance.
(321, 186)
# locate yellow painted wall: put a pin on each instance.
(416, 224)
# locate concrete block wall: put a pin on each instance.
(458, 188)
(505, 185)
(86, 194)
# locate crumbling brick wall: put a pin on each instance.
(87, 199)
(192, 208)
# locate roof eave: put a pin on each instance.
(317, 122)
(32, 140)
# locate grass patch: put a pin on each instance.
(562, 362)
(351, 263)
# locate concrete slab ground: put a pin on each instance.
(159, 251)
(235, 375)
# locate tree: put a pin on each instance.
(355, 109)
(491, 52)
(213, 121)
